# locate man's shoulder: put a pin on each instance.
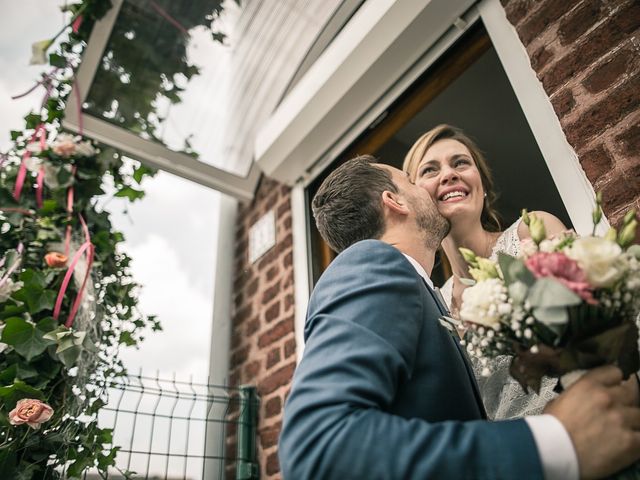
(369, 250)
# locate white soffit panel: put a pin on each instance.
(381, 42)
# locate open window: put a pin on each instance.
(468, 88)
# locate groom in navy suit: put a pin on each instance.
(384, 390)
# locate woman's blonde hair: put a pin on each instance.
(489, 217)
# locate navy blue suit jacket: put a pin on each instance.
(383, 390)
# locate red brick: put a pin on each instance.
(240, 356)
(236, 340)
(595, 163)
(278, 331)
(268, 258)
(284, 207)
(252, 287)
(609, 72)
(269, 435)
(277, 379)
(286, 223)
(253, 326)
(285, 190)
(273, 466)
(616, 105)
(630, 141)
(621, 190)
(547, 13)
(272, 313)
(597, 43)
(271, 293)
(289, 347)
(577, 22)
(563, 102)
(516, 10)
(287, 260)
(273, 407)
(273, 357)
(285, 243)
(540, 58)
(251, 370)
(288, 301)
(272, 272)
(234, 378)
(243, 314)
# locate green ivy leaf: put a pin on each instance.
(130, 193)
(141, 171)
(127, 339)
(24, 337)
(16, 391)
(56, 60)
(33, 120)
(15, 134)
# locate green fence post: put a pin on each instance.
(246, 464)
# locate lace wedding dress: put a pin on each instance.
(503, 397)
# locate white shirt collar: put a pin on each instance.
(421, 271)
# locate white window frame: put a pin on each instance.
(147, 151)
(300, 124)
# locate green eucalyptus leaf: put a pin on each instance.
(24, 337)
(551, 315)
(513, 270)
(547, 292)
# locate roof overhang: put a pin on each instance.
(382, 41)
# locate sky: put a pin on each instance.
(170, 234)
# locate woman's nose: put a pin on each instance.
(448, 175)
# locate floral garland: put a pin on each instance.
(67, 299)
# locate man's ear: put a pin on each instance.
(395, 202)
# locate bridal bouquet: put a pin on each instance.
(568, 304)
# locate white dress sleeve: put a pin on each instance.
(503, 396)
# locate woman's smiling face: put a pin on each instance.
(450, 175)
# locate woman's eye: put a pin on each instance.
(427, 171)
(461, 162)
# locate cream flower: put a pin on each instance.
(31, 411)
(64, 145)
(481, 302)
(599, 258)
(39, 52)
(7, 288)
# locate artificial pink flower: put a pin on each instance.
(30, 411)
(565, 270)
(56, 259)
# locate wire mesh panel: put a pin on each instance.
(171, 429)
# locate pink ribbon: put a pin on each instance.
(88, 249)
(75, 26)
(39, 187)
(22, 172)
(163, 13)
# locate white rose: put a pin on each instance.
(85, 149)
(64, 145)
(599, 258)
(481, 302)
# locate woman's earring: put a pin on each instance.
(485, 194)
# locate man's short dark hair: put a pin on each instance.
(348, 204)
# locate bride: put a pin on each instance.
(452, 170)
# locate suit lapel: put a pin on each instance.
(445, 311)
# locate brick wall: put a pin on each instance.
(262, 342)
(586, 53)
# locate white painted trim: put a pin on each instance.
(572, 183)
(301, 261)
(382, 41)
(147, 151)
(220, 344)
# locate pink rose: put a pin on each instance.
(563, 269)
(30, 411)
(64, 145)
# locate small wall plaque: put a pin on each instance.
(262, 236)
